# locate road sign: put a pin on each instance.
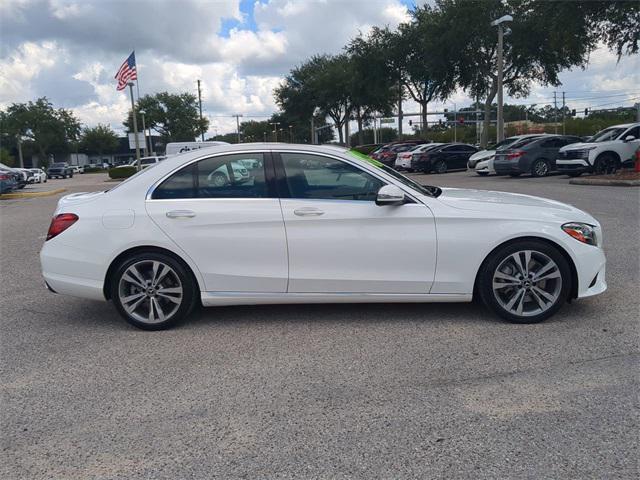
(387, 120)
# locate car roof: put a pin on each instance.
(623, 125)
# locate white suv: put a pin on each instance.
(605, 152)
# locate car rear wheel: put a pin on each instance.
(525, 282)
(540, 168)
(153, 291)
(440, 166)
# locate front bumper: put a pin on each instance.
(569, 166)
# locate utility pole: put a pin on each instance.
(563, 113)
(290, 133)
(135, 126)
(555, 113)
(500, 120)
(455, 123)
(399, 109)
(200, 103)
(237, 115)
(275, 130)
(144, 132)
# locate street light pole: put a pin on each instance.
(144, 134)
(290, 133)
(275, 130)
(237, 115)
(500, 117)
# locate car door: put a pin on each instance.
(233, 229)
(629, 147)
(340, 241)
(451, 155)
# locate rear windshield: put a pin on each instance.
(522, 142)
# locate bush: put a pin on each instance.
(93, 169)
(122, 172)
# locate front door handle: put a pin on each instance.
(181, 214)
(308, 212)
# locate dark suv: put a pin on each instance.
(60, 170)
(536, 155)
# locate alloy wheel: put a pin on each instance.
(527, 283)
(150, 291)
(541, 168)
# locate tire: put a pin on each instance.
(219, 179)
(540, 168)
(440, 167)
(483, 174)
(516, 301)
(514, 175)
(71, 175)
(606, 163)
(173, 296)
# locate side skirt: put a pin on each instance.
(210, 299)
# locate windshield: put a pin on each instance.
(607, 134)
(423, 189)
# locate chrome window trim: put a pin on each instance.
(379, 175)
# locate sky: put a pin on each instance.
(70, 50)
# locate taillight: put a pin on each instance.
(4, 176)
(60, 223)
(516, 154)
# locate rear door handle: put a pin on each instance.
(308, 212)
(181, 214)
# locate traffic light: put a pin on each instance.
(573, 112)
(586, 112)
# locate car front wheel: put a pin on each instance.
(440, 167)
(525, 282)
(153, 291)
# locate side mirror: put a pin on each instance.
(390, 195)
(629, 138)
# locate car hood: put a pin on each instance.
(482, 155)
(524, 205)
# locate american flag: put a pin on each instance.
(127, 72)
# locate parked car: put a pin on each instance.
(388, 157)
(8, 179)
(606, 152)
(296, 235)
(445, 157)
(408, 160)
(385, 150)
(482, 161)
(27, 174)
(534, 155)
(60, 170)
(39, 175)
(77, 168)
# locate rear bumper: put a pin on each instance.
(505, 168)
(72, 271)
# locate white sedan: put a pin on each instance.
(314, 225)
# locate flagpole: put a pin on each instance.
(147, 149)
(135, 126)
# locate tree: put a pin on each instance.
(542, 43)
(47, 129)
(174, 116)
(101, 140)
(322, 82)
(373, 88)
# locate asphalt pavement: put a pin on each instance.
(321, 391)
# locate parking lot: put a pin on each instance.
(322, 391)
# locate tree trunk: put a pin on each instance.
(346, 131)
(360, 132)
(400, 117)
(340, 132)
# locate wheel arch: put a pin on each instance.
(612, 153)
(572, 267)
(140, 249)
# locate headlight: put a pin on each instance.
(582, 232)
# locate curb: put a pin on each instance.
(604, 182)
(33, 194)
